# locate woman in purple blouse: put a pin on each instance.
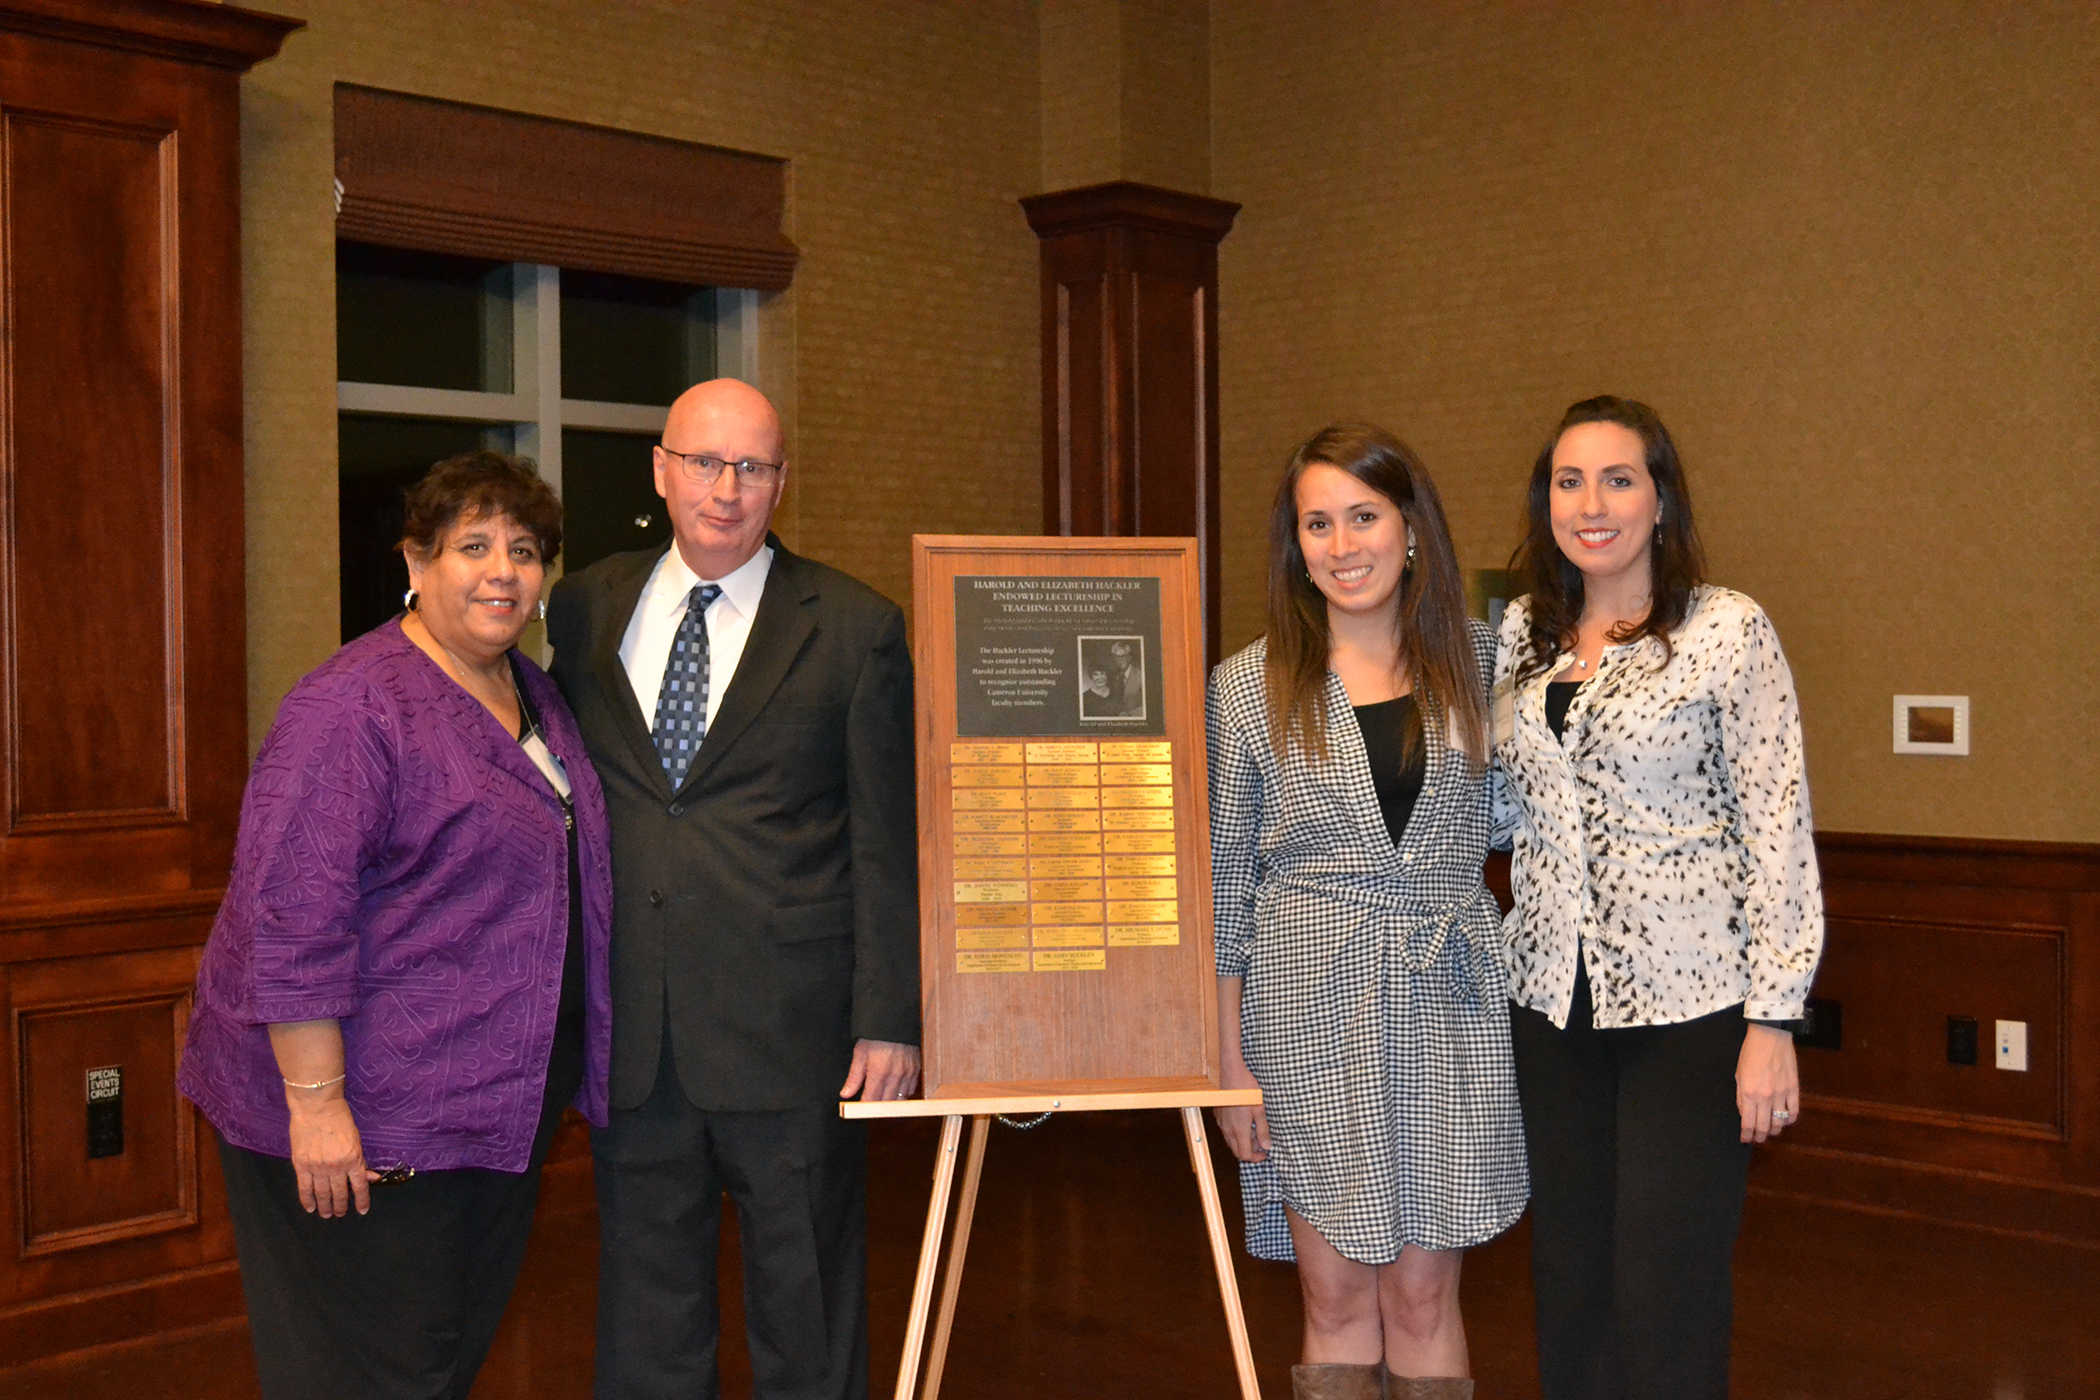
(407, 982)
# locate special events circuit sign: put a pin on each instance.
(1064, 821)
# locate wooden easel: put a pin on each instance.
(1191, 1102)
(1076, 843)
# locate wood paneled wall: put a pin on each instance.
(1921, 929)
(123, 727)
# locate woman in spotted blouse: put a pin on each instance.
(1359, 982)
(1668, 912)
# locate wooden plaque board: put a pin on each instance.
(1064, 817)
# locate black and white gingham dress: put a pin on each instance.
(1375, 1010)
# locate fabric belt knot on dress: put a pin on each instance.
(1422, 931)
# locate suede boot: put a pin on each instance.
(1337, 1382)
(1427, 1387)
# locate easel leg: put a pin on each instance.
(958, 1246)
(1221, 1251)
(929, 1254)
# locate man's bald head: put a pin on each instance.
(722, 523)
(728, 405)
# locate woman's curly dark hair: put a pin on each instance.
(477, 484)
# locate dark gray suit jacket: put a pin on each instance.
(771, 903)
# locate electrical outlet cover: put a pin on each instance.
(2012, 1045)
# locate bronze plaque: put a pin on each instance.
(1065, 817)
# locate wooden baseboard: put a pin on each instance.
(124, 1312)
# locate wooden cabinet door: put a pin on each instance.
(123, 731)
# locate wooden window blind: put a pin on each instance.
(417, 172)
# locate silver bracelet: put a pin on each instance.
(322, 1085)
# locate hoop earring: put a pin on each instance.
(408, 601)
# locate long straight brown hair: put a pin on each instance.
(1429, 621)
(1550, 580)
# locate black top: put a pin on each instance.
(1559, 695)
(1391, 728)
(565, 1058)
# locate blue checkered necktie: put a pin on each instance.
(681, 703)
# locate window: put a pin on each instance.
(438, 354)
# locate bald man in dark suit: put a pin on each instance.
(749, 712)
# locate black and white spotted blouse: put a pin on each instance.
(1666, 834)
(1374, 1011)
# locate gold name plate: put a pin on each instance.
(990, 961)
(1068, 936)
(1136, 818)
(1064, 843)
(1144, 935)
(1063, 868)
(1071, 959)
(1066, 798)
(990, 915)
(987, 800)
(976, 868)
(1066, 821)
(1065, 775)
(991, 938)
(973, 844)
(974, 776)
(1069, 751)
(1068, 911)
(967, 751)
(1042, 890)
(1125, 841)
(1136, 911)
(1142, 889)
(991, 892)
(991, 821)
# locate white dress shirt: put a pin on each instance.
(646, 647)
(1665, 837)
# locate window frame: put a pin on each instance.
(535, 410)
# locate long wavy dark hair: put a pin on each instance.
(1552, 583)
(1436, 650)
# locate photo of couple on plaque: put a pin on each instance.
(1111, 678)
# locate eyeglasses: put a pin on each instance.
(703, 470)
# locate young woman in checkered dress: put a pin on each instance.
(1360, 982)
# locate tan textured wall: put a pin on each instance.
(1847, 250)
(905, 355)
(1082, 86)
(1126, 93)
(1166, 94)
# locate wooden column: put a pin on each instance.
(123, 732)
(1130, 366)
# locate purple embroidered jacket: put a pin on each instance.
(403, 866)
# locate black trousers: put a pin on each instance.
(799, 1180)
(1637, 1180)
(399, 1304)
